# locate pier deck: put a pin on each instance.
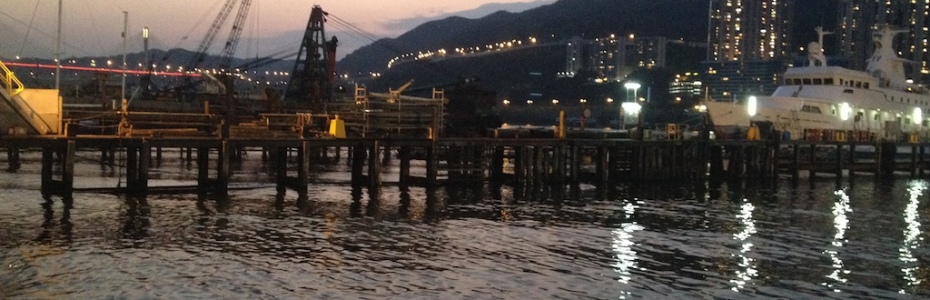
(505, 160)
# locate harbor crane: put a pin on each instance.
(314, 72)
(229, 48)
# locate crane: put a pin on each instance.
(234, 34)
(231, 42)
(314, 70)
(201, 52)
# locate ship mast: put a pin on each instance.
(815, 49)
(820, 34)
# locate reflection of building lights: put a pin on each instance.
(912, 235)
(841, 223)
(748, 271)
(623, 247)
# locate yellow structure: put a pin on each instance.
(34, 111)
(672, 130)
(752, 133)
(840, 136)
(337, 128)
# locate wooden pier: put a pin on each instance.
(515, 161)
(455, 161)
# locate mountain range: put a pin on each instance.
(562, 20)
(684, 20)
(531, 70)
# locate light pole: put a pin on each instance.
(631, 105)
(585, 112)
(632, 86)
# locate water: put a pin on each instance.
(849, 238)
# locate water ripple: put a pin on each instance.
(728, 241)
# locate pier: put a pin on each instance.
(514, 161)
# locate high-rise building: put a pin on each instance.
(748, 29)
(574, 57)
(613, 57)
(858, 18)
(748, 47)
(607, 57)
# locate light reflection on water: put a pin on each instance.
(841, 223)
(623, 247)
(912, 236)
(715, 240)
(746, 263)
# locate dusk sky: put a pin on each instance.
(93, 27)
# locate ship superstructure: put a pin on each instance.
(880, 101)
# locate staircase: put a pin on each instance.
(27, 111)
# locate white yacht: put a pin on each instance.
(880, 102)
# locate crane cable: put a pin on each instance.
(45, 34)
(28, 29)
(388, 46)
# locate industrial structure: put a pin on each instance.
(314, 72)
(206, 101)
(27, 111)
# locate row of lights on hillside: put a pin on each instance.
(461, 51)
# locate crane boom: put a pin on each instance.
(211, 33)
(234, 34)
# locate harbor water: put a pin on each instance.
(855, 237)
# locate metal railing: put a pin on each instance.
(10, 82)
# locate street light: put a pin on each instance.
(637, 108)
(632, 86)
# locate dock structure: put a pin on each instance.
(546, 161)
(515, 161)
(411, 127)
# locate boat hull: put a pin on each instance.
(798, 116)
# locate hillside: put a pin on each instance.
(685, 19)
